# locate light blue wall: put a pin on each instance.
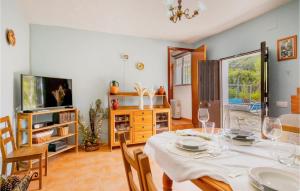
(14, 60)
(281, 22)
(92, 60)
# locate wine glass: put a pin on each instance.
(203, 116)
(272, 129)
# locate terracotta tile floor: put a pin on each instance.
(95, 171)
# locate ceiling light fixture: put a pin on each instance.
(176, 12)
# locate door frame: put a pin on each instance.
(221, 77)
(171, 71)
(199, 54)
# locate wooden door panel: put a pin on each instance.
(197, 55)
(264, 79)
(209, 89)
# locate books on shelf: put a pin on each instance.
(63, 117)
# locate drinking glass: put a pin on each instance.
(272, 129)
(286, 154)
(209, 128)
(203, 116)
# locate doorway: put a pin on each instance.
(241, 91)
(179, 86)
(183, 65)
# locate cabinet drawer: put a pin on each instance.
(140, 119)
(141, 137)
(143, 127)
(142, 113)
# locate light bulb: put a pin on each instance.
(202, 6)
(169, 3)
(169, 13)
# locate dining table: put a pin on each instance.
(225, 169)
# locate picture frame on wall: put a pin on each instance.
(287, 48)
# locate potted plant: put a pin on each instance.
(91, 132)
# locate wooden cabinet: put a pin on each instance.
(138, 125)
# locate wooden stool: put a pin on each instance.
(22, 154)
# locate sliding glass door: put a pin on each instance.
(242, 91)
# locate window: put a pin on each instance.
(182, 70)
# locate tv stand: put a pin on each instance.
(27, 111)
(28, 116)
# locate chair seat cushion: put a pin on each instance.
(28, 152)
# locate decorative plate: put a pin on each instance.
(140, 66)
(10, 37)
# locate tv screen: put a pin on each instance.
(44, 92)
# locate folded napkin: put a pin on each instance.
(190, 132)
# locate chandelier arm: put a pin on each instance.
(187, 14)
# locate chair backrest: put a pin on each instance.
(7, 129)
(130, 161)
(146, 173)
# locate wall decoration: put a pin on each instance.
(10, 37)
(287, 48)
(140, 66)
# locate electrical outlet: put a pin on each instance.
(282, 104)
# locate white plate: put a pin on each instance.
(199, 149)
(191, 143)
(275, 178)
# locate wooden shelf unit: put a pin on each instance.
(69, 147)
(28, 130)
(139, 125)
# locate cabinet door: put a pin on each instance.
(122, 123)
(162, 121)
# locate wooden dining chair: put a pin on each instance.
(146, 174)
(22, 154)
(130, 161)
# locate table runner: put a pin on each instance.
(221, 168)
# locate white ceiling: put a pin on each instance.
(145, 18)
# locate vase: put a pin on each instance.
(141, 105)
(115, 104)
(114, 87)
(161, 90)
(151, 102)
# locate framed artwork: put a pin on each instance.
(287, 48)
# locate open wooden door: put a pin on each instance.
(199, 54)
(264, 80)
(209, 89)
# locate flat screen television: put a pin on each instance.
(39, 92)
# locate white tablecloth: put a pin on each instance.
(180, 168)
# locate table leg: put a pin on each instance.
(46, 162)
(167, 183)
(40, 172)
